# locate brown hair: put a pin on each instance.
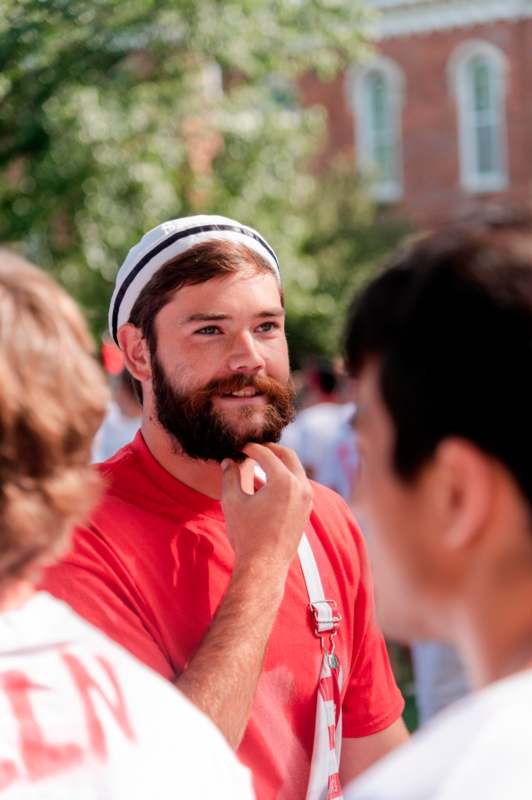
(202, 263)
(52, 400)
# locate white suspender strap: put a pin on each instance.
(310, 571)
(326, 617)
(324, 779)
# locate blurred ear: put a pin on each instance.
(465, 486)
(136, 351)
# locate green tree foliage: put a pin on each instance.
(345, 239)
(117, 114)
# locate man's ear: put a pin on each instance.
(136, 351)
(465, 488)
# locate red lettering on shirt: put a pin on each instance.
(41, 758)
(86, 685)
(8, 773)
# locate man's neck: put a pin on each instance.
(495, 636)
(202, 476)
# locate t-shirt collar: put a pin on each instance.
(172, 486)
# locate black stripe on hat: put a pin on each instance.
(169, 241)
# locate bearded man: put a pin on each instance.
(190, 560)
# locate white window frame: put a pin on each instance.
(383, 190)
(470, 178)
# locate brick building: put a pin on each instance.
(439, 119)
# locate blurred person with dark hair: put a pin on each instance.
(80, 717)
(441, 346)
(251, 596)
(317, 426)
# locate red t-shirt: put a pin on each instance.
(152, 569)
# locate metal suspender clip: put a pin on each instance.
(326, 619)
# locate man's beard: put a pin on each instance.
(202, 432)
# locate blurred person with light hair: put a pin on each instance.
(80, 717)
(441, 346)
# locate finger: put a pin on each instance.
(274, 463)
(289, 458)
(268, 461)
(231, 487)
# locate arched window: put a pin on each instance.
(478, 75)
(376, 93)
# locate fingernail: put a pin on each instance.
(226, 463)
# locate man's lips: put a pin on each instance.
(240, 397)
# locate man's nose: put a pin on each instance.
(245, 355)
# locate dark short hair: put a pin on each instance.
(449, 322)
(324, 376)
(201, 263)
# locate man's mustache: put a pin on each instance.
(235, 383)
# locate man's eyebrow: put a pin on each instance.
(271, 312)
(213, 317)
(206, 317)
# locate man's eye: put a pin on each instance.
(209, 330)
(268, 327)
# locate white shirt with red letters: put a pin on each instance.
(82, 719)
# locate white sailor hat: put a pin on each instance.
(164, 243)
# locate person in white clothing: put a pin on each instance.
(81, 718)
(122, 419)
(441, 346)
(339, 461)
